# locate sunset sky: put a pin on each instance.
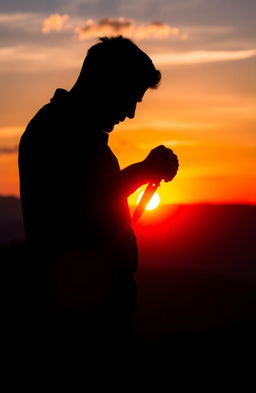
(204, 109)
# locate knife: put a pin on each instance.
(147, 195)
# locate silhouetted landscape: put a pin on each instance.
(196, 316)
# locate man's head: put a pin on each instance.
(117, 74)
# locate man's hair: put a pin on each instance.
(118, 59)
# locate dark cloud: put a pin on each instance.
(218, 12)
(115, 24)
(157, 23)
(8, 150)
(201, 12)
(125, 26)
(104, 26)
(237, 14)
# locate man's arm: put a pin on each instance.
(161, 163)
(129, 179)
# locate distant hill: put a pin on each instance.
(218, 239)
(172, 234)
(197, 275)
(11, 224)
(197, 287)
(215, 238)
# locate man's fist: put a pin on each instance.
(161, 163)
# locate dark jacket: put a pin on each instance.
(68, 188)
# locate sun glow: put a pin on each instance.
(153, 203)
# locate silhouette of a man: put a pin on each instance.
(73, 192)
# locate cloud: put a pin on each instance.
(211, 30)
(37, 59)
(32, 58)
(19, 26)
(55, 22)
(199, 57)
(8, 150)
(15, 17)
(167, 125)
(173, 142)
(125, 26)
(169, 143)
(9, 132)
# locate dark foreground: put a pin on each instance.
(195, 325)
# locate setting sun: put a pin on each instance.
(153, 203)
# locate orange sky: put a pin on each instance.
(204, 108)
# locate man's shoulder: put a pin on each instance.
(49, 120)
(53, 110)
(60, 123)
(36, 122)
(45, 115)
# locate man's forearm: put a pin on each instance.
(129, 179)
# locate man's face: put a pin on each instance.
(119, 105)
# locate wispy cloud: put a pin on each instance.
(173, 142)
(8, 150)
(9, 139)
(211, 30)
(167, 125)
(8, 132)
(197, 57)
(31, 58)
(20, 23)
(169, 143)
(125, 26)
(34, 59)
(55, 22)
(15, 17)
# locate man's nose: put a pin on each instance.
(131, 111)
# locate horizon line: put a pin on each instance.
(132, 205)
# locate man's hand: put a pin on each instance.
(161, 163)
